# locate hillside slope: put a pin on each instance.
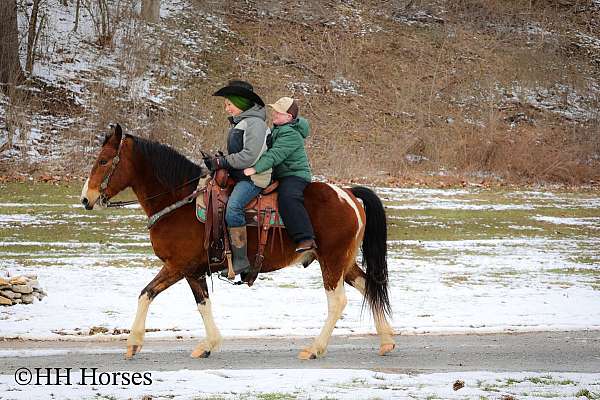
(397, 89)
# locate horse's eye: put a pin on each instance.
(103, 162)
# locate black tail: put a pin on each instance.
(374, 248)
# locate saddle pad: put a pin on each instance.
(251, 219)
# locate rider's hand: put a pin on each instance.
(249, 171)
(216, 163)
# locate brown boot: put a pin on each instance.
(306, 245)
(238, 250)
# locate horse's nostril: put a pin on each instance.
(85, 201)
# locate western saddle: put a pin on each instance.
(262, 212)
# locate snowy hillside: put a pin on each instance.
(499, 90)
(72, 62)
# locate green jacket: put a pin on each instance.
(287, 155)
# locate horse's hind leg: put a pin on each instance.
(164, 279)
(336, 302)
(356, 277)
(213, 337)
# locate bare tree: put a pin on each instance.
(77, 7)
(33, 33)
(100, 13)
(150, 10)
(10, 67)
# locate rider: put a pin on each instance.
(287, 157)
(246, 142)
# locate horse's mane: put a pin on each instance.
(170, 167)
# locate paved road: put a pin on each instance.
(577, 351)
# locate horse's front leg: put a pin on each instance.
(165, 278)
(213, 338)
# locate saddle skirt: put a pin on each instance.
(256, 210)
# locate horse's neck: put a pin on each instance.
(152, 195)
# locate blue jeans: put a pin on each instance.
(243, 192)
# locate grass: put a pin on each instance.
(354, 383)
(484, 224)
(545, 395)
(548, 380)
(288, 286)
(575, 271)
(544, 380)
(589, 395)
(275, 396)
(118, 237)
(64, 223)
(591, 260)
(456, 280)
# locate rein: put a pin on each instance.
(110, 204)
(153, 219)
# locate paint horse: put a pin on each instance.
(160, 177)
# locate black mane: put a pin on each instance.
(170, 167)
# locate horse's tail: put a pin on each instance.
(374, 248)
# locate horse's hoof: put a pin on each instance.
(307, 355)
(386, 348)
(200, 353)
(132, 350)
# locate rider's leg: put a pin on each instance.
(242, 193)
(293, 213)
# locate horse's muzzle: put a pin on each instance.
(86, 203)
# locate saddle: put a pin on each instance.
(262, 212)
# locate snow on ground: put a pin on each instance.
(560, 99)
(313, 384)
(463, 199)
(529, 279)
(594, 221)
(82, 297)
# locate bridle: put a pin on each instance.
(105, 201)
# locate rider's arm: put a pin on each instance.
(288, 141)
(255, 137)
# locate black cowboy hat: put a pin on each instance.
(240, 88)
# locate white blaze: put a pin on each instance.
(344, 197)
(84, 190)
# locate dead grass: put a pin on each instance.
(432, 90)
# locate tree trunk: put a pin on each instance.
(10, 67)
(31, 35)
(77, 6)
(151, 10)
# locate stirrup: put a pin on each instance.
(252, 272)
(223, 273)
(306, 245)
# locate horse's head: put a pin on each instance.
(112, 170)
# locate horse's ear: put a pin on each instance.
(115, 129)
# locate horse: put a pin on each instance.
(161, 176)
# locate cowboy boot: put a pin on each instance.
(306, 245)
(239, 246)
